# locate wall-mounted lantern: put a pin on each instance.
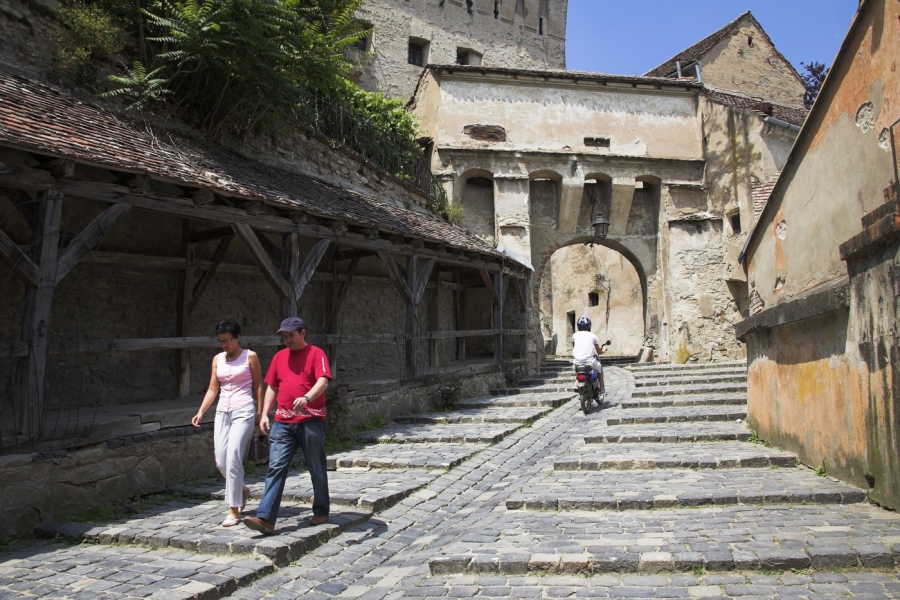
(600, 225)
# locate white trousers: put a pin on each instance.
(233, 431)
(595, 364)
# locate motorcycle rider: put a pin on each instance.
(586, 349)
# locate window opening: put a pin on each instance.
(597, 142)
(541, 26)
(462, 58)
(593, 298)
(750, 40)
(470, 7)
(736, 223)
(496, 9)
(416, 54)
(364, 44)
(570, 316)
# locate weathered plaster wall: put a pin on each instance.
(818, 206)
(521, 36)
(618, 314)
(558, 115)
(748, 62)
(808, 393)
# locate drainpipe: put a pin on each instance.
(780, 123)
(678, 67)
(697, 69)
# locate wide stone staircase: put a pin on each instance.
(174, 546)
(668, 481)
(660, 492)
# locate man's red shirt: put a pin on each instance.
(294, 373)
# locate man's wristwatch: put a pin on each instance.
(305, 398)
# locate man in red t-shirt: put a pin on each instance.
(297, 378)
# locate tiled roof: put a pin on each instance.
(759, 194)
(795, 115)
(696, 51)
(41, 119)
(658, 81)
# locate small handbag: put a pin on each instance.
(259, 449)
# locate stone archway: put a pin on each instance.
(605, 282)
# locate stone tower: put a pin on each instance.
(406, 35)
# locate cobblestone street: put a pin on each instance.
(658, 494)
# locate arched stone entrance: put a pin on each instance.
(598, 281)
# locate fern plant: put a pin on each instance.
(143, 86)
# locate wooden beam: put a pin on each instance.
(59, 168)
(290, 266)
(207, 276)
(139, 184)
(216, 233)
(21, 264)
(489, 285)
(203, 196)
(395, 275)
(25, 178)
(271, 247)
(25, 205)
(36, 324)
(412, 318)
(500, 283)
(308, 268)
(268, 270)
(422, 279)
(89, 238)
(340, 296)
(183, 314)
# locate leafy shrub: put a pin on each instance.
(89, 34)
(448, 393)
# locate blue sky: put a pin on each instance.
(630, 37)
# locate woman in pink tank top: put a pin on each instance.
(235, 377)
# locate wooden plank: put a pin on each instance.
(449, 335)
(207, 276)
(89, 238)
(21, 264)
(489, 285)
(268, 270)
(396, 277)
(308, 268)
(36, 324)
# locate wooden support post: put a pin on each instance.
(338, 296)
(89, 238)
(460, 317)
(523, 289)
(36, 325)
(290, 271)
(259, 255)
(183, 315)
(308, 267)
(207, 276)
(500, 283)
(434, 317)
(412, 320)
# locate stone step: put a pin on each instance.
(639, 367)
(730, 538)
(675, 414)
(691, 380)
(366, 489)
(489, 433)
(687, 400)
(194, 526)
(819, 585)
(56, 570)
(689, 390)
(686, 455)
(536, 389)
(551, 400)
(647, 489)
(641, 375)
(404, 456)
(714, 431)
(480, 415)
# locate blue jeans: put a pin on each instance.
(283, 441)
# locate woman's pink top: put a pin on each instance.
(235, 382)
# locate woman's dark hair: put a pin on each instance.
(229, 326)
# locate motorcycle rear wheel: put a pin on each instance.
(584, 396)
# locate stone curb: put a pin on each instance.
(627, 464)
(279, 549)
(672, 402)
(728, 416)
(637, 438)
(645, 563)
(683, 390)
(688, 500)
(663, 382)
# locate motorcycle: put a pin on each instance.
(590, 385)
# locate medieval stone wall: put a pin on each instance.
(523, 34)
